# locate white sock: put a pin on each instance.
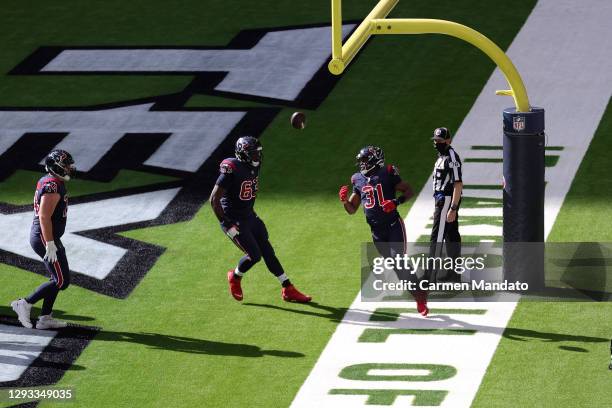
(238, 273)
(282, 278)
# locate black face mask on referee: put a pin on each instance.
(441, 147)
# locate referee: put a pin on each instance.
(447, 188)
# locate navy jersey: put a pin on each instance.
(240, 181)
(374, 190)
(49, 185)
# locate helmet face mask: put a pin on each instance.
(60, 163)
(249, 150)
(255, 156)
(370, 159)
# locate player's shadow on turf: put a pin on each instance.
(574, 349)
(190, 345)
(512, 333)
(516, 334)
(335, 314)
(59, 314)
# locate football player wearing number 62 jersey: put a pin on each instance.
(375, 186)
(232, 200)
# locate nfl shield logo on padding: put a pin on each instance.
(518, 123)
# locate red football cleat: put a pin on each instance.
(234, 285)
(422, 308)
(291, 294)
(421, 301)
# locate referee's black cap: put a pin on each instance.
(441, 134)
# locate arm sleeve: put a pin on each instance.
(454, 163)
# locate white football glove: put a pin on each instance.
(51, 252)
(232, 231)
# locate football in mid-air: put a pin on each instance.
(298, 120)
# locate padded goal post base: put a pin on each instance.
(524, 142)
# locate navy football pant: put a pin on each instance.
(390, 240)
(253, 240)
(59, 271)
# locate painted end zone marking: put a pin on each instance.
(421, 398)
(381, 335)
(478, 324)
(392, 314)
(398, 372)
(30, 357)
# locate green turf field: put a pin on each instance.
(180, 339)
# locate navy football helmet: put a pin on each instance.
(370, 159)
(60, 164)
(249, 150)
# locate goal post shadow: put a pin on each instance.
(523, 131)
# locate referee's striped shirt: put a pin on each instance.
(446, 171)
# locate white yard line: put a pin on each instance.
(564, 52)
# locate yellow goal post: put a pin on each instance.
(377, 23)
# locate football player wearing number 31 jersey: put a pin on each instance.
(232, 200)
(375, 186)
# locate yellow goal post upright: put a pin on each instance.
(523, 129)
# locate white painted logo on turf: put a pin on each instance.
(278, 66)
(88, 256)
(91, 134)
(19, 348)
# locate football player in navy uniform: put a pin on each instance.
(375, 186)
(232, 200)
(50, 211)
